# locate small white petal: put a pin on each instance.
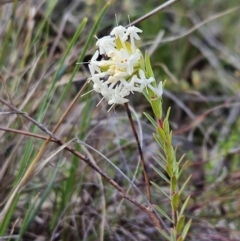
(95, 56)
(105, 44)
(106, 91)
(133, 59)
(143, 80)
(94, 68)
(118, 31)
(132, 31)
(91, 68)
(141, 74)
(131, 85)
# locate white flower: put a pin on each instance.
(143, 80)
(138, 86)
(95, 56)
(157, 91)
(124, 92)
(132, 32)
(98, 85)
(132, 85)
(94, 68)
(121, 74)
(118, 96)
(105, 44)
(129, 85)
(119, 32)
(107, 91)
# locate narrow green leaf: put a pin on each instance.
(183, 167)
(162, 134)
(149, 71)
(156, 104)
(173, 183)
(180, 160)
(175, 166)
(49, 9)
(162, 165)
(162, 157)
(30, 210)
(166, 126)
(184, 185)
(160, 174)
(175, 201)
(5, 224)
(170, 154)
(180, 223)
(153, 122)
(33, 211)
(173, 234)
(162, 212)
(184, 205)
(186, 229)
(159, 141)
(169, 169)
(170, 138)
(168, 113)
(160, 189)
(164, 234)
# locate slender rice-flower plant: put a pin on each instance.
(122, 70)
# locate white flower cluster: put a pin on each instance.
(120, 74)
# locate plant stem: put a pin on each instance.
(140, 153)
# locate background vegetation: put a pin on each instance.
(193, 44)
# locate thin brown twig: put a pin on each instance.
(140, 153)
(154, 11)
(24, 114)
(25, 133)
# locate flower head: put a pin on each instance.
(123, 72)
